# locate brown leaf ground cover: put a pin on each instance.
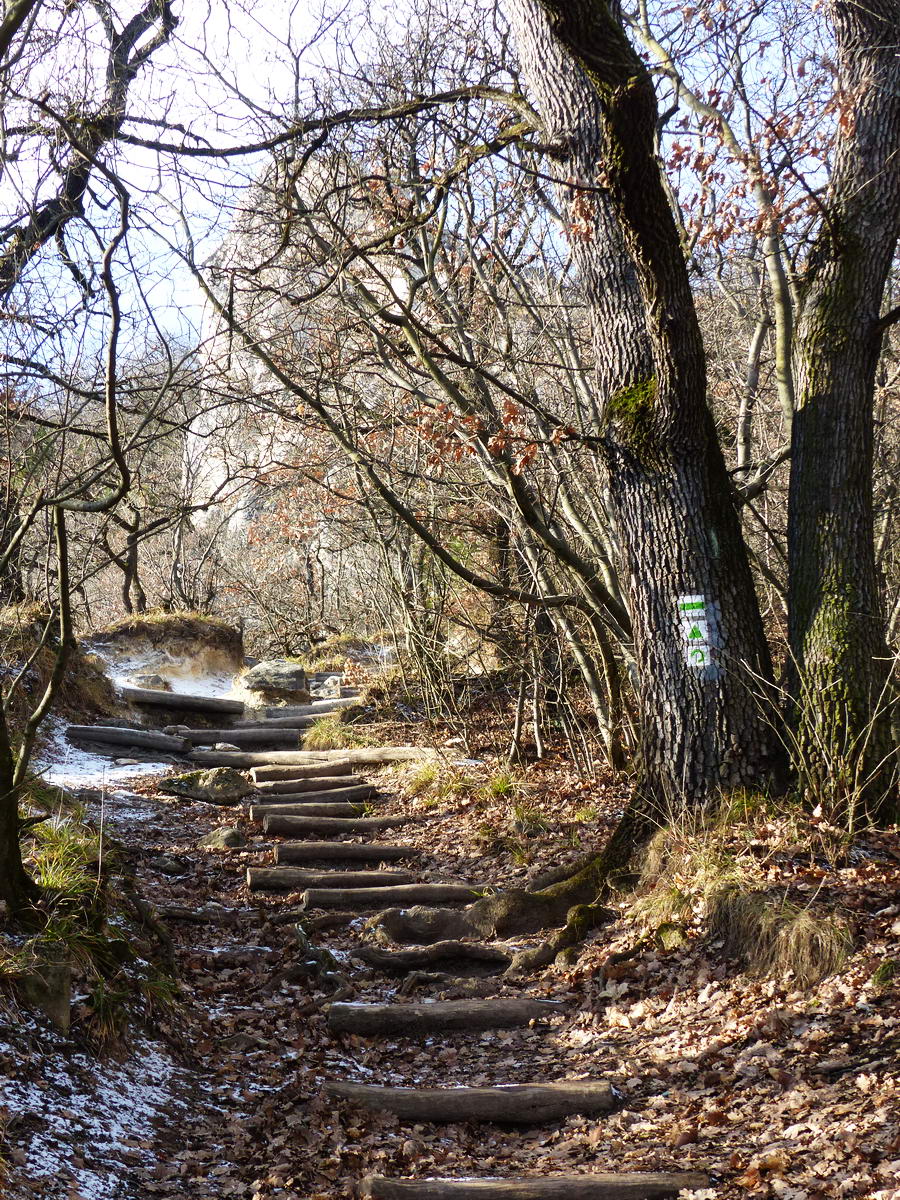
(772, 1089)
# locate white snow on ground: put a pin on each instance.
(84, 1122)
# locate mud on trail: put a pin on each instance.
(307, 1059)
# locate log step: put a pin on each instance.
(315, 770)
(260, 812)
(347, 795)
(405, 894)
(117, 736)
(241, 759)
(512, 1104)
(441, 1016)
(277, 723)
(651, 1185)
(243, 736)
(213, 704)
(295, 879)
(316, 708)
(291, 826)
(296, 852)
(324, 783)
(399, 962)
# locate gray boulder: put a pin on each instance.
(220, 785)
(226, 837)
(277, 679)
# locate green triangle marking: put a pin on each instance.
(695, 635)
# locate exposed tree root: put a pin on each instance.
(573, 902)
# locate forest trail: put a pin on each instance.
(296, 918)
(310, 1057)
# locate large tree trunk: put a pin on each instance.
(837, 627)
(703, 724)
(17, 889)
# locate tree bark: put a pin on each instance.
(656, 1185)
(836, 625)
(512, 1104)
(213, 704)
(294, 879)
(703, 727)
(297, 852)
(438, 1017)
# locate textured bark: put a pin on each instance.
(297, 852)
(654, 1185)
(356, 793)
(261, 812)
(297, 826)
(438, 1016)
(373, 898)
(462, 955)
(701, 728)
(837, 626)
(147, 739)
(17, 889)
(320, 783)
(287, 739)
(295, 879)
(213, 704)
(311, 771)
(298, 758)
(512, 1104)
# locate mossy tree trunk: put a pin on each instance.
(17, 889)
(837, 626)
(703, 726)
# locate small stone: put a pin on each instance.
(127, 762)
(225, 746)
(168, 865)
(226, 837)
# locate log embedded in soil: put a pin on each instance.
(411, 893)
(440, 1016)
(277, 723)
(399, 962)
(655, 1185)
(291, 787)
(259, 812)
(294, 879)
(316, 708)
(288, 738)
(348, 795)
(342, 767)
(117, 736)
(514, 1104)
(178, 700)
(298, 758)
(290, 826)
(296, 852)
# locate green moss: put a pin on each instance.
(632, 412)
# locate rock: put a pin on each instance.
(48, 988)
(156, 682)
(226, 837)
(277, 679)
(220, 785)
(126, 762)
(225, 746)
(168, 865)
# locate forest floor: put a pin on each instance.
(771, 1089)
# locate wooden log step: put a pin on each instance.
(403, 895)
(316, 708)
(277, 723)
(115, 735)
(291, 826)
(346, 795)
(324, 783)
(650, 1185)
(259, 812)
(316, 770)
(295, 879)
(399, 962)
(501, 1012)
(512, 1104)
(214, 704)
(250, 736)
(296, 852)
(241, 759)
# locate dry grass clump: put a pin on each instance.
(168, 627)
(333, 732)
(707, 873)
(776, 937)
